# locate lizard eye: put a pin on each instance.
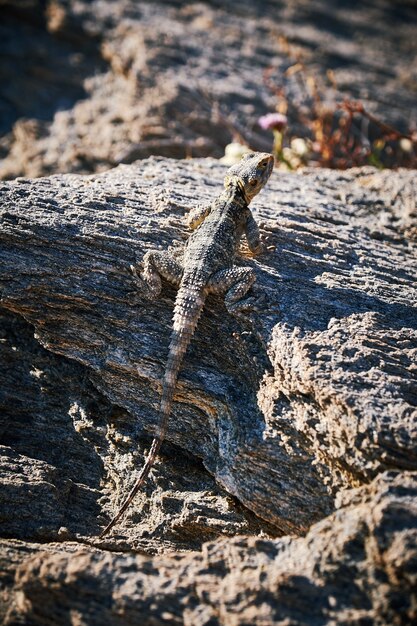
(253, 182)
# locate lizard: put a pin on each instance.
(207, 267)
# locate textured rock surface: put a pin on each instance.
(359, 566)
(86, 85)
(48, 405)
(275, 421)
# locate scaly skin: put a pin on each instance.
(207, 267)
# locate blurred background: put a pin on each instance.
(88, 84)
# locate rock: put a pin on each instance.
(87, 85)
(275, 421)
(49, 405)
(356, 567)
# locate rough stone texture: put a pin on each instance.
(86, 85)
(48, 405)
(359, 566)
(275, 421)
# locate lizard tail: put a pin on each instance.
(188, 307)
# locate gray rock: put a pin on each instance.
(275, 419)
(53, 429)
(356, 567)
(87, 85)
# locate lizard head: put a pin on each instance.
(251, 173)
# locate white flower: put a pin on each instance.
(406, 145)
(233, 152)
(299, 146)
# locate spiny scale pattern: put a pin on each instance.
(206, 267)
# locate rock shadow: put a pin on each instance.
(50, 419)
(42, 71)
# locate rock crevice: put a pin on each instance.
(309, 404)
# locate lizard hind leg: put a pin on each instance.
(234, 282)
(156, 265)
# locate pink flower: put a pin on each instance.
(273, 121)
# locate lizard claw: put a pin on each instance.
(255, 303)
(136, 277)
(141, 284)
(265, 244)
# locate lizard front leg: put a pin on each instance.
(253, 236)
(234, 282)
(156, 265)
(198, 215)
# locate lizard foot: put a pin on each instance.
(141, 284)
(256, 303)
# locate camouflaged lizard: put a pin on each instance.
(206, 268)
